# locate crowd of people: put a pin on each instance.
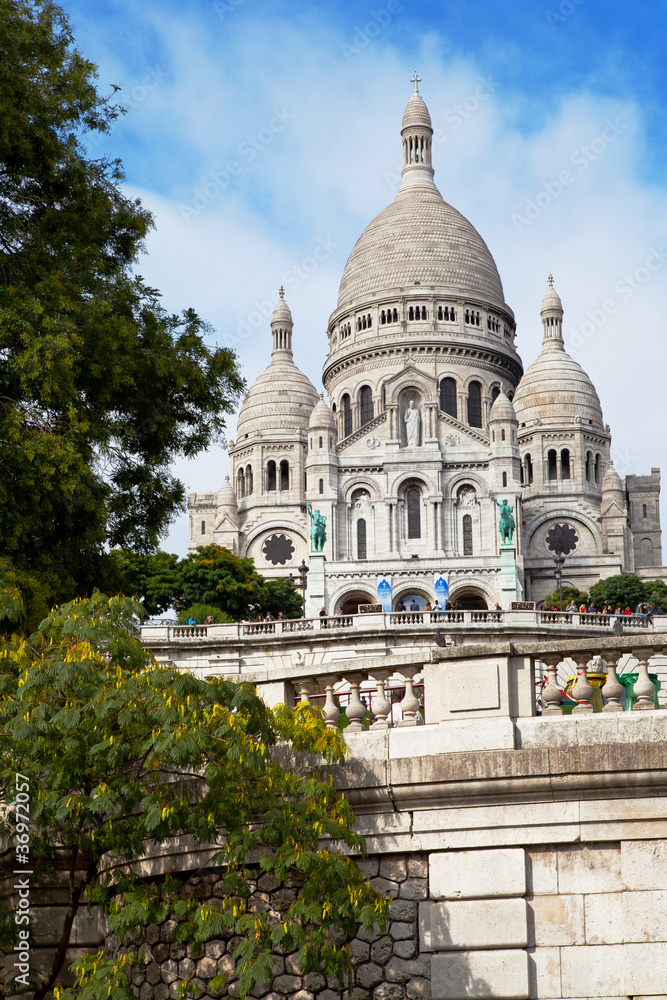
(644, 610)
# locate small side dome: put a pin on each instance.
(502, 408)
(612, 482)
(321, 418)
(226, 495)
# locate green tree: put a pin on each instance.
(100, 387)
(655, 591)
(624, 589)
(201, 612)
(569, 594)
(121, 755)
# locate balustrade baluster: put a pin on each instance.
(612, 688)
(582, 690)
(356, 710)
(330, 708)
(551, 693)
(410, 703)
(305, 687)
(381, 707)
(643, 688)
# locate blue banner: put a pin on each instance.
(384, 592)
(441, 589)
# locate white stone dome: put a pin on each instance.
(612, 482)
(281, 398)
(321, 418)
(420, 238)
(226, 495)
(502, 408)
(555, 389)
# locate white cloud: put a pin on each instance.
(324, 176)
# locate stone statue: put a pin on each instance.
(412, 421)
(507, 523)
(318, 529)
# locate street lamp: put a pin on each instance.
(301, 583)
(559, 560)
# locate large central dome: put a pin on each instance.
(420, 238)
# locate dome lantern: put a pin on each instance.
(552, 317)
(282, 325)
(417, 135)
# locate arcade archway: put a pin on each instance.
(349, 603)
(469, 599)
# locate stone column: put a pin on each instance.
(410, 703)
(582, 690)
(381, 707)
(643, 688)
(612, 688)
(331, 710)
(356, 710)
(551, 693)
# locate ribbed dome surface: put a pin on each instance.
(282, 397)
(282, 313)
(419, 237)
(612, 482)
(226, 495)
(502, 408)
(556, 389)
(416, 113)
(321, 417)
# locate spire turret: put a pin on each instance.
(417, 134)
(282, 325)
(552, 317)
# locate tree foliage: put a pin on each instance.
(569, 594)
(624, 590)
(211, 576)
(122, 756)
(100, 387)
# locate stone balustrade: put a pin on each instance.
(397, 619)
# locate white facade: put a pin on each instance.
(430, 422)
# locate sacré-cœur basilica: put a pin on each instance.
(431, 424)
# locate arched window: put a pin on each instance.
(423, 312)
(644, 511)
(504, 479)
(495, 392)
(395, 315)
(521, 476)
(413, 498)
(411, 312)
(475, 404)
(240, 484)
(347, 414)
(366, 404)
(271, 476)
(203, 527)
(448, 396)
(529, 470)
(321, 440)
(565, 464)
(248, 480)
(552, 459)
(321, 486)
(598, 464)
(467, 535)
(361, 538)
(588, 466)
(382, 318)
(502, 434)
(284, 474)
(440, 314)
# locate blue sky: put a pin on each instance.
(258, 131)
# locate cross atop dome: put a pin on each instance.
(550, 279)
(416, 80)
(281, 292)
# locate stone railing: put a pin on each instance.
(611, 689)
(398, 619)
(378, 700)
